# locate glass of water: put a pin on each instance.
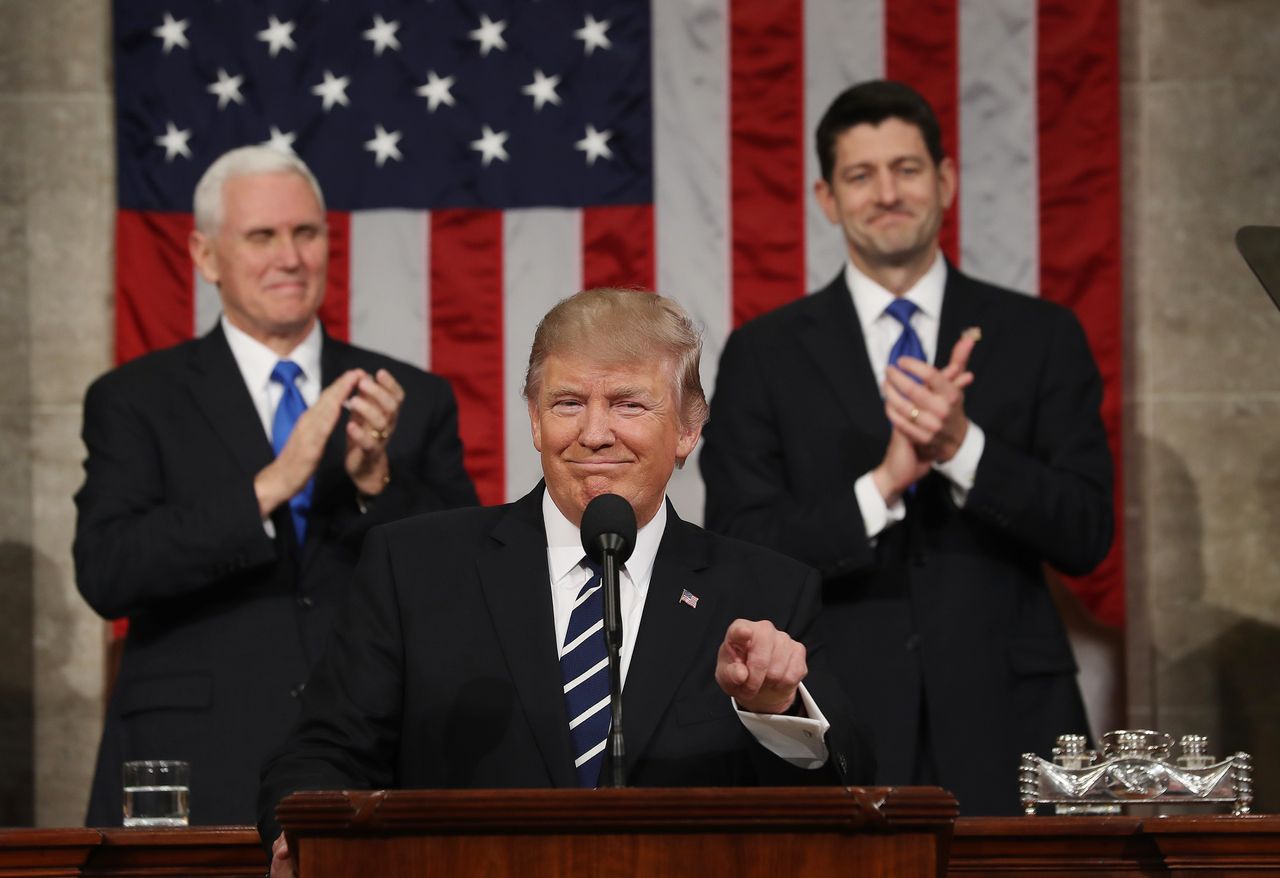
(156, 793)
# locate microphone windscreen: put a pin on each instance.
(608, 519)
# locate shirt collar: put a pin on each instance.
(564, 542)
(256, 360)
(870, 299)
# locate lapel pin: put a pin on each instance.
(688, 597)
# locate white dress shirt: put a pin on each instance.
(880, 332)
(798, 740)
(256, 362)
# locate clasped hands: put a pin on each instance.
(925, 405)
(374, 404)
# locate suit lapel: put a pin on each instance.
(517, 590)
(961, 309)
(671, 632)
(218, 390)
(832, 337)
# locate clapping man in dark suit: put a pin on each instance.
(453, 667)
(229, 483)
(929, 475)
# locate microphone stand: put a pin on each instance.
(613, 643)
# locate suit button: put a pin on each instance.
(296, 691)
(912, 643)
(305, 602)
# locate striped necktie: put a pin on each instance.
(288, 410)
(584, 664)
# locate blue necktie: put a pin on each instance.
(908, 344)
(584, 664)
(290, 408)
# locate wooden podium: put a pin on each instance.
(744, 833)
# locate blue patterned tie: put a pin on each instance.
(908, 344)
(584, 664)
(290, 408)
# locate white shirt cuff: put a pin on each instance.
(962, 469)
(876, 515)
(800, 740)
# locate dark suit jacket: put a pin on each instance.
(445, 673)
(948, 609)
(224, 621)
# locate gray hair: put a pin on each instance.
(244, 161)
(614, 325)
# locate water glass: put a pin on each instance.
(156, 793)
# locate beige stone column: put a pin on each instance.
(1201, 158)
(56, 221)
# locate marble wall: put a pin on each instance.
(1202, 157)
(1201, 117)
(56, 220)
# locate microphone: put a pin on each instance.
(608, 537)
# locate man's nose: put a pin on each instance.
(886, 187)
(288, 253)
(596, 431)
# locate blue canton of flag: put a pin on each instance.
(420, 105)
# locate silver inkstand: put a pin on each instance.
(1134, 768)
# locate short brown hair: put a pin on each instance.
(616, 325)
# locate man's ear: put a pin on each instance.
(535, 426)
(947, 181)
(200, 246)
(826, 200)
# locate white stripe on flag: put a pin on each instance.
(691, 186)
(389, 284)
(999, 172)
(542, 264)
(843, 45)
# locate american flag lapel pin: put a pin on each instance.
(688, 597)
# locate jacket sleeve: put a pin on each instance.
(135, 543)
(1053, 495)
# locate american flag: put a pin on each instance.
(688, 597)
(484, 158)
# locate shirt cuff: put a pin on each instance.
(876, 515)
(962, 469)
(800, 740)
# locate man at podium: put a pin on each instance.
(458, 664)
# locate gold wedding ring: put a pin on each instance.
(379, 434)
(915, 413)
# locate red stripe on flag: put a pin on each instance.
(335, 311)
(466, 336)
(921, 49)
(766, 154)
(617, 246)
(155, 300)
(1079, 129)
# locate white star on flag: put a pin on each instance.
(332, 91)
(489, 35)
(383, 145)
(490, 145)
(174, 142)
(227, 88)
(592, 34)
(281, 140)
(436, 90)
(542, 89)
(595, 145)
(174, 33)
(278, 35)
(383, 35)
